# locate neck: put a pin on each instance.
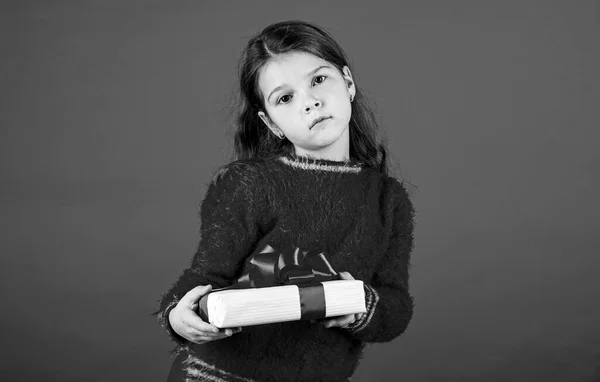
(329, 153)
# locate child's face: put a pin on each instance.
(294, 95)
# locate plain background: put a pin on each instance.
(115, 113)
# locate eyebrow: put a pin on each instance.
(307, 75)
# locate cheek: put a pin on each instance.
(341, 99)
(344, 107)
(285, 118)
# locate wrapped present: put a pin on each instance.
(280, 286)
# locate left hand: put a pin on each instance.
(341, 321)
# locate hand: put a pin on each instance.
(342, 321)
(185, 321)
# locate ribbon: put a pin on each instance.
(291, 266)
(268, 267)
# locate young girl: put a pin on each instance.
(310, 170)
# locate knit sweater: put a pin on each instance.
(360, 218)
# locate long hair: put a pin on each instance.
(252, 137)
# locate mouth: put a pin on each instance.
(317, 121)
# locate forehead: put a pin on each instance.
(287, 68)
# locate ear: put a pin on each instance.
(268, 122)
(349, 81)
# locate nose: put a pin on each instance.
(312, 102)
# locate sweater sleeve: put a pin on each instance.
(388, 301)
(228, 233)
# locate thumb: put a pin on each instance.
(196, 293)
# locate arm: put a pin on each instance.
(228, 233)
(389, 303)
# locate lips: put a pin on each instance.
(317, 120)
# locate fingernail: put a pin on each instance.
(228, 332)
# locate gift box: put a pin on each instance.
(280, 286)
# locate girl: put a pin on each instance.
(308, 170)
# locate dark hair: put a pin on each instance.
(252, 137)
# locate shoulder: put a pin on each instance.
(238, 169)
(241, 175)
(399, 197)
(397, 187)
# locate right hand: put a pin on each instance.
(185, 321)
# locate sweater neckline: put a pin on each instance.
(350, 165)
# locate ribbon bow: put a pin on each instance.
(291, 266)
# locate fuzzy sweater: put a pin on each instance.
(361, 219)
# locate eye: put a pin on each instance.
(282, 98)
(321, 81)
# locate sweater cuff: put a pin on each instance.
(163, 320)
(371, 300)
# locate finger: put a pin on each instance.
(340, 321)
(199, 338)
(190, 318)
(227, 332)
(192, 333)
(196, 332)
(348, 322)
(218, 337)
(346, 276)
(223, 332)
(233, 330)
(203, 340)
(200, 333)
(194, 294)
